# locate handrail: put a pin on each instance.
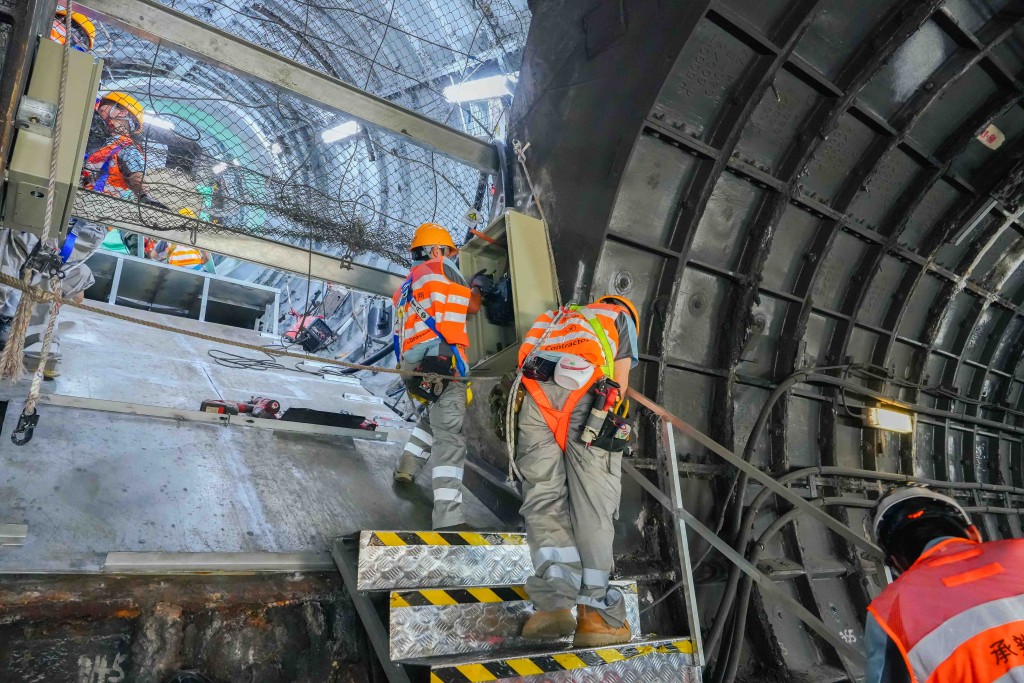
(684, 517)
(765, 479)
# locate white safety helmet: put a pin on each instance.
(906, 505)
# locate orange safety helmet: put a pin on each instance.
(621, 301)
(129, 103)
(77, 19)
(431, 234)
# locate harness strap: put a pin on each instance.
(556, 419)
(606, 348)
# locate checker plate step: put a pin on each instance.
(436, 622)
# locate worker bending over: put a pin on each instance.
(575, 359)
(956, 612)
(430, 336)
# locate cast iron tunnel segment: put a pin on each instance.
(456, 606)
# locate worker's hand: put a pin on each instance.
(482, 281)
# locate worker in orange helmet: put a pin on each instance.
(430, 336)
(83, 31)
(114, 162)
(956, 612)
(574, 361)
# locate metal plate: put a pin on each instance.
(407, 559)
(472, 624)
(659, 661)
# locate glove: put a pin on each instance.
(149, 201)
(482, 281)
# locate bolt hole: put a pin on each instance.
(37, 194)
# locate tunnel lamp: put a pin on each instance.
(345, 130)
(480, 89)
(154, 120)
(220, 168)
(276, 148)
(889, 420)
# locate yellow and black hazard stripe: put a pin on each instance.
(457, 596)
(553, 663)
(450, 538)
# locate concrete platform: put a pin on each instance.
(93, 482)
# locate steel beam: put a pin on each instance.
(158, 23)
(264, 252)
(221, 563)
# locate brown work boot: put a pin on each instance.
(549, 625)
(593, 631)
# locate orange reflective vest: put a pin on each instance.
(101, 168)
(184, 256)
(957, 615)
(573, 333)
(58, 32)
(445, 301)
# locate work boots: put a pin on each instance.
(549, 625)
(593, 631)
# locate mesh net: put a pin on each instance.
(243, 156)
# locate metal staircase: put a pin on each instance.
(455, 605)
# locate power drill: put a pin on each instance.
(257, 406)
(606, 394)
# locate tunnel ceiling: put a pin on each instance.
(784, 185)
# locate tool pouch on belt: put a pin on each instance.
(423, 388)
(616, 434)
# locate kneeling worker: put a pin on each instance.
(430, 336)
(572, 359)
(956, 612)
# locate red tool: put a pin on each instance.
(609, 390)
(257, 406)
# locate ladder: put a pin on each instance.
(454, 604)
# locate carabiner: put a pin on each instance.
(22, 433)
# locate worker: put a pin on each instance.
(571, 487)
(83, 31)
(114, 163)
(956, 612)
(430, 336)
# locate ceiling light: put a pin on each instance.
(889, 420)
(480, 89)
(154, 120)
(345, 130)
(220, 168)
(235, 162)
(276, 148)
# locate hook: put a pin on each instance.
(22, 433)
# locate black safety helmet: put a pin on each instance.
(909, 517)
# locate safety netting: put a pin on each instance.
(245, 156)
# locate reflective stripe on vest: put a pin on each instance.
(58, 32)
(429, 306)
(958, 613)
(185, 256)
(574, 334)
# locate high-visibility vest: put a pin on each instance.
(184, 256)
(445, 301)
(574, 333)
(102, 170)
(957, 615)
(58, 32)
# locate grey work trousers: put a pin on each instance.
(438, 436)
(570, 501)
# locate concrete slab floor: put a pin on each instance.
(92, 482)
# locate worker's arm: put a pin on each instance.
(135, 182)
(622, 368)
(885, 663)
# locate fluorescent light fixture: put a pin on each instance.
(889, 420)
(480, 89)
(220, 168)
(345, 130)
(153, 119)
(276, 148)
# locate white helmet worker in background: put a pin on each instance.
(956, 612)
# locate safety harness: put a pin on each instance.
(104, 172)
(428, 320)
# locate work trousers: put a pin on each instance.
(438, 437)
(570, 501)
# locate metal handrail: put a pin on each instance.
(674, 503)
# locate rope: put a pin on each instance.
(37, 377)
(42, 296)
(12, 361)
(520, 152)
